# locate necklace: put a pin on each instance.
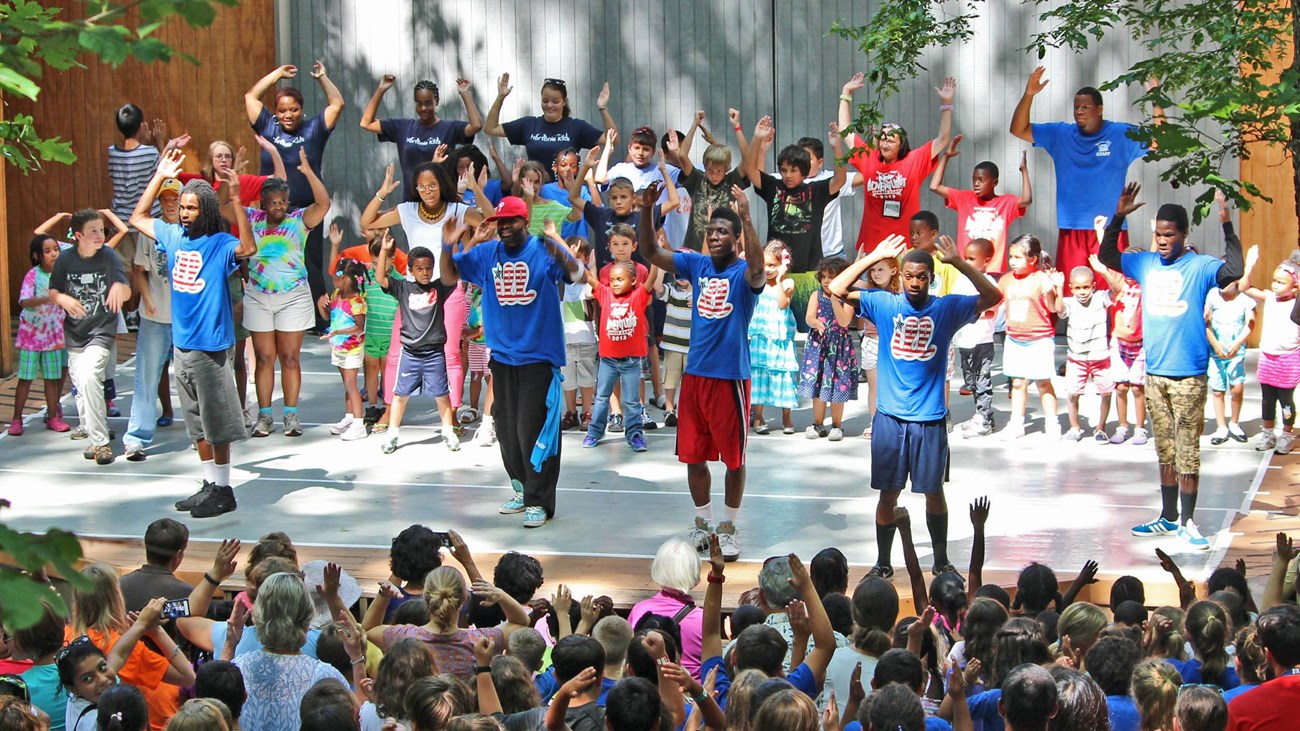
(432, 217)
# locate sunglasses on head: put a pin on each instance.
(63, 651)
(19, 686)
(555, 82)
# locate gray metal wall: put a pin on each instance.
(666, 59)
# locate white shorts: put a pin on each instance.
(1034, 360)
(290, 311)
(350, 360)
(580, 365)
(869, 353)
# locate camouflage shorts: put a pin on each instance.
(1177, 408)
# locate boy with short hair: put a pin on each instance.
(832, 227)
(621, 196)
(1087, 357)
(130, 165)
(709, 188)
(974, 343)
(795, 206)
(981, 211)
(90, 284)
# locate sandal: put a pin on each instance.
(378, 428)
(760, 427)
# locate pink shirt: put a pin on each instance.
(668, 605)
(985, 219)
(41, 327)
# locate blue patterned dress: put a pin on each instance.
(772, 362)
(830, 359)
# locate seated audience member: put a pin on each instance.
(221, 681)
(676, 571)
(1080, 705)
(1273, 704)
(431, 703)
(1250, 662)
(1028, 698)
(165, 541)
(579, 663)
(415, 552)
(1154, 688)
(1200, 709)
(614, 635)
(1110, 662)
(514, 685)
(328, 706)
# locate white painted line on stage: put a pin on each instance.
(1223, 542)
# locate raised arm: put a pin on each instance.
(1252, 258)
(989, 294)
(844, 284)
(1026, 190)
(320, 205)
(920, 596)
(1109, 252)
(840, 174)
(368, 121)
(979, 515)
(253, 97)
(683, 150)
(372, 217)
(733, 116)
(168, 167)
(57, 225)
(1020, 126)
(822, 632)
(575, 185)
(845, 111)
(602, 103)
(1057, 303)
(601, 174)
(646, 231)
(1232, 267)
(242, 228)
(119, 228)
(674, 200)
(749, 237)
(936, 181)
(1282, 559)
(711, 621)
(947, 93)
(384, 263)
(1112, 277)
(493, 124)
(472, 114)
(751, 167)
(334, 99)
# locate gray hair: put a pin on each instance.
(676, 566)
(283, 612)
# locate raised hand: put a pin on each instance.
(834, 132)
(485, 231)
(223, 564)
(902, 518)
(831, 716)
(562, 600)
(673, 144)
(590, 611)
(330, 577)
(503, 85)
(1128, 200)
(1252, 256)
(1024, 159)
(390, 184)
(1036, 82)
(1168, 564)
(549, 229)
(354, 640)
(440, 154)
(170, 164)
(462, 84)
(717, 564)
(317, 69)
(653, 642)
(947, 91)
(921, 626)
(452, 230)
(1057, 278)
(1285, 548)
(578, 683)
(797, 612)
(484, 652)
(602, 99)
(699, 117)
(387, 243)
(611, 137)
(1225, 214)
(892, 246)
(739, 202)
(952, 150)
(386, 82)
(855, 82)
(304, 166)
(335, 235)
(491, 595)
(650, 194)
(948, 250)
(733, 116)
(287, 71)
(1088, 574)
(979, 511)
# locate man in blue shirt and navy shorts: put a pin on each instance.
(909, 436)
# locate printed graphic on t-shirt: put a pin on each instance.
(1162, 291)
(792, 212)
(158, 258)
(1103, 148)
(185, 273)
(912, 336)
(557, 137)
(1017, 310)
(420, 301)
(511, 281)
(985, 223)
(90, 289)
(714, 293)
(888, 184)
(621, 324)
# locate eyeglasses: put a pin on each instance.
(1212, 686)
(63, 651)
(426, 188)
(17, 683)
(555, 82)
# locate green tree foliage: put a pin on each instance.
(34, 36)
(22, 599)
(1212, 59)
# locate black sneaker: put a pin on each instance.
(884, 572)
(670, 419)
(944, 569)
(218, 502)
(194, 500)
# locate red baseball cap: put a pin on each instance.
(511, 207)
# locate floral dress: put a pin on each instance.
(772, 362)
(830, 359)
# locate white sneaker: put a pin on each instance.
(486, 435)
(1012, 431)
(699, 533)
(343, 425)
(727, 541)
(356, 430)
(450, 439)
(836, 434)
(1266, 441)
(1191, 535)
(1053, 430)
(1284, 441)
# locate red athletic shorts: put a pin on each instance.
(712, 416)
(1072, 249)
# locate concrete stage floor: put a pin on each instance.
(1053, 502)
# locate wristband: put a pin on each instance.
(737, 128)
(717, 579)
(482, 669)
(701, 698)
(845, 98)
(175, 650)
(359, 660)
(210, 580)
(945, 107)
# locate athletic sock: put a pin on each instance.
(938, 525)
(264, 410)
(1188, 500)
(209, 471)
(289, 409)
(221, 474)
(885, 543)
(1169, 503)
(733, 514)
(705, 512)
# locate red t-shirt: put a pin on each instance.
(1127, 313)
(1270, 706)
(250, 186)
(623, 322)
(1026, 303)
(985, 219)
(891, 192)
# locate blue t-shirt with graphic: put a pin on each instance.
(201, 314)
(1173, 310)
(1090, 169)
(521, 300)
(416, 143)
(910, 373)
(722, 304)
(543, 140)
(492, 191)
(312, 134)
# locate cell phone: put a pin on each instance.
(176, 608)
(443, 538)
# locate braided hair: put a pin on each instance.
(426, 85)
(209, 220)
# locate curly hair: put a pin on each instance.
(518, 575)
(414, 553)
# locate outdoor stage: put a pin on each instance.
(1052, 502)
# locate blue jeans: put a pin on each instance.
(153, 345)
(618, 370)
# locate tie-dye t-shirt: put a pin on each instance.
(279, 264)
(41, 327)
(343, 315)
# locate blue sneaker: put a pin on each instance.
(513, 505)
(589, 441)
(1191, 535)
(1157, 527)
(637, 443)
(534, 517)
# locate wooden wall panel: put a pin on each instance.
(206, 101)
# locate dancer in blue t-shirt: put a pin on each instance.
(1174, 283)
(909, 438)
(200, 257)
(713, 402)
(520, 277)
